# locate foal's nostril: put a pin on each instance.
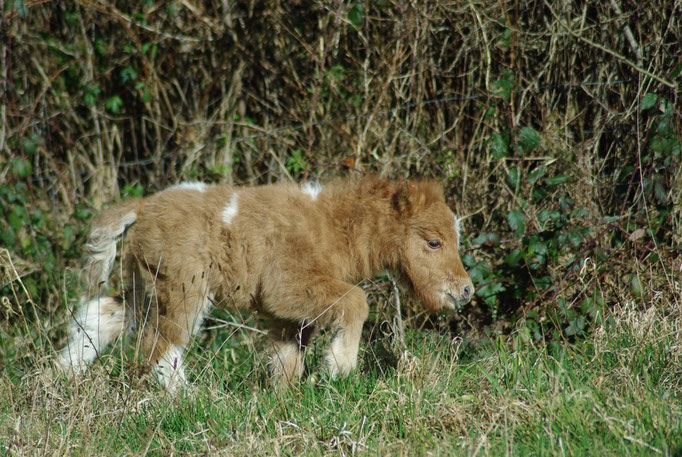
(466, 292)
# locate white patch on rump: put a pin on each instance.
(190, 185)
(312, 188)
(230, 211)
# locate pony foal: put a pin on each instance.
(292, 253)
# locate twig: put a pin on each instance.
(628, 34)
(615, 54)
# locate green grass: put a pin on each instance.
(616, 393)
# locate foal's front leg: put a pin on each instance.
(348, 311)
(331, 302)
(289, 341)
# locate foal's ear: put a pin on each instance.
(401, 199)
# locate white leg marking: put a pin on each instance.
(97, 323)
(230, 211)
(287, 362)
(169, 369)
(342, 357)
(312, 188)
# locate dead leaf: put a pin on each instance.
(637, 234)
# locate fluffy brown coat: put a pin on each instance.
(293, 253)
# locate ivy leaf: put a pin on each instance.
(356, 14)
(499, 145)
(296, 162)
(128, 74)
(22, 167)
(648, 101)
(576, 326)
(676, 71)
(556, 180)
(529, 139)
(517, 221)
(535, 175)
(114, 104)
(514, 258)
(21, 9)
(514, 177)
(505, 85)
(90, 94)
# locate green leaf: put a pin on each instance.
(636, 286)
(513, 259)
(505, 41)
(296, 162)
(489, 239)
(676, 71)
(659, 192)
(89, 95)
(31, 143)
(479, 272)
(132, 191)
(504, 85)
(514, 177)
(114, 104)
(648, 101)
(556, 180)
(535, 175)
(17, 218)
(529, 139)
(336, 73)
(356, 14)
(128, 74)
(517, 221)
(22, 167)
(480, 239)
(21, 9)
(576, 326)
(491, 289)
(499, 145)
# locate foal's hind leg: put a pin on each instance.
(289, 341)
(96, 324)
(175, 315)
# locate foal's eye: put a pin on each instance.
(434, 244)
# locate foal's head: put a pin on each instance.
(430, 249)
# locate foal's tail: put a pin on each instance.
(99, 320)
(107, 228)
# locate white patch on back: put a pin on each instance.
(458, 229)
(312, 188)
(190, 185)
(230, 211)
